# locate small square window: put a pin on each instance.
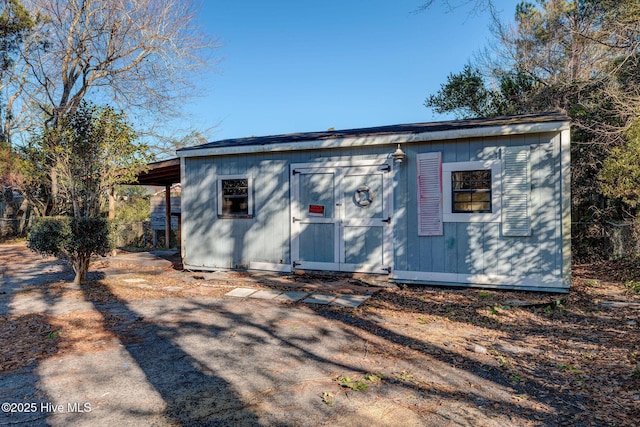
(234, 197)
(471, 191)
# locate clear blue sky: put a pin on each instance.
(296, 66)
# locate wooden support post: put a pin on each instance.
(167, 215)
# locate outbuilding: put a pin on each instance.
(479, 202)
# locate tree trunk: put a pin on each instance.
(50, 209)
(112, 203)
(24, 212)
(81, 267)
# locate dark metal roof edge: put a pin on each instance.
(161, 173)
(173, 161)
(409, 128)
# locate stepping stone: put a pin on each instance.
(352, 301)
(291, 296)
(265, 294)
(172, 288)
(620, 304)
(240, 292)
(322, 299)
(144, 286)
(134, 280)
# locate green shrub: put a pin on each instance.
(48, 235)
(633, 286)
(72, 239)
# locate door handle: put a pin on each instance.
(388, 220)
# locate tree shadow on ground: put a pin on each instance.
(259, 333)
(17, 275)
(458, 361)
(193, 395)
(573, 334)
(322, 345)
(18, 368)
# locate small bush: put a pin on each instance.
(633, 286)
(72, 239)
(48, 236)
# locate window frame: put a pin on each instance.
(220, 198)
(495, 166)
(471, 192)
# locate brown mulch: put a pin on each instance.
(25, 340)
(547, 346)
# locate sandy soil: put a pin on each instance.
(146, 344)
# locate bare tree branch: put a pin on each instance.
(142, 54)
(474, 6)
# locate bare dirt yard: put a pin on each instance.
(144, 343)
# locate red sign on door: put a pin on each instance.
(316, 210)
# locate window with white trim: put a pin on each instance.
(235, 196)
(471, 191)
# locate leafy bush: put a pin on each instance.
(133, 204)
(48, 235)
(72, 239)
(633, 286)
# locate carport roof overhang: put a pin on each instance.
(166, 172)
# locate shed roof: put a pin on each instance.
(512, 124)
(163, 173)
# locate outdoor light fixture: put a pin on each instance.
(399, 155)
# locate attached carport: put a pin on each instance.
(164, 173)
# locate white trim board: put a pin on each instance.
(254, 266)
(565, 190)
(547, 282)
(321, 164)
(360, 141)
(183, 236)
(270, 266)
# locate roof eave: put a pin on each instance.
(387, 139)
(160, 173)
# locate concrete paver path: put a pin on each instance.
(352, 301)
(232, 360)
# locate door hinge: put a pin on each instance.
(295, 219)
(385, 168)
(387, 269)
(388, 220)
(295, 172)
(295, 264)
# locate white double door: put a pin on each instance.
(341, 217)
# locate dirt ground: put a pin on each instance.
(144, 343)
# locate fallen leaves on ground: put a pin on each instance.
(570, 350)
(25, 340)
(546, 345)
